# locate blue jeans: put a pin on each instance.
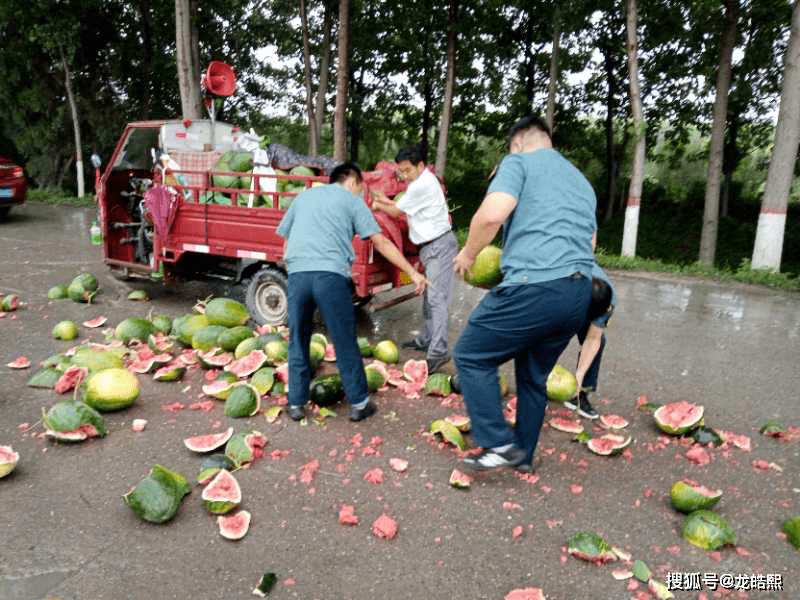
(532, 324)
(332, 293)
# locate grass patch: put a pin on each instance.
(54, 196)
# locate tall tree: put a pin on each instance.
(449, 88)
(342, 80)
(186, 56)
(552, 83)
(631, 227)
(768, 246)
(708, 236)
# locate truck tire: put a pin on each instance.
(267, 297)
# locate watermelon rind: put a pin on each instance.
(205, 338)
(158, 496)
(134, 328)
(438, 384)
(233, 336)
(8, 460)
(45, 378)
(449, 433)
(211, 465)
(72, 421)
(591, 547)
(222, 494)
(226, 312)
(613, 421)
(96, 360)
(208, 442)
(708, 530)
(791, 527)
(235, 526)
(214, 358)
(240, 447)
(171, 372)
(689, 496)
(263, 380)
(244, 401)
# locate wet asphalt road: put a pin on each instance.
(65, 532)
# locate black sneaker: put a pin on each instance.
(492, 459)
(359, 414)
(296, 411)
(435, 363)
(414, 345)
(580, 402)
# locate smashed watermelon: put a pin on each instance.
(72, 421)
(676, 418)
(590, 547)
(222, 494)
(247, 365)
(208, 442)
(158, 496)
(235, 526)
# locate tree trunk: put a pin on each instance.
(611, 163)
(449, 86)
(708, 237)
(342, 77)
(76, 126)
(188, 67)
(427, 109)
(553, 84)
(631, 228)
(312, 120)
(324, 66)
(768, 246)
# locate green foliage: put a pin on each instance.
(58, 196)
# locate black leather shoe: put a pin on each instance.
(414, 346)
(359, 414)
(296, 412)
(435, 363)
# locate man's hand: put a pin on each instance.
(463, 262)
(420, 281)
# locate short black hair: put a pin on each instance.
(601, 298)
(528, 123)
(412, 154)
(345, 170)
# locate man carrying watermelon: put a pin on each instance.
(547, 209)
(429, 228)
(319, 227)
(592, 339)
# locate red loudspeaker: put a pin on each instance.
(219, 79)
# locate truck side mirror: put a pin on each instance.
(95, 159)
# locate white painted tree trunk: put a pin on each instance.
(768, 246)
(630, 229)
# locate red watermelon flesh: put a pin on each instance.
(208, 442)
(20, 363)
(568, 425)
(678, 417)
(330, 353)
(247, 365)
(416, 371)
(235, 526)
(525, 594)
(613, 421)
(72, 377)
(76, 435)
(98, 322)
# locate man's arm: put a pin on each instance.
(589, 349)
(394, 256)
(486, 222)
(381, 201)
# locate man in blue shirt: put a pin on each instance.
(547, 210)
(319, 228)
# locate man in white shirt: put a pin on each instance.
(429, 228)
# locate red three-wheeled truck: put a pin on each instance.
(166, 210)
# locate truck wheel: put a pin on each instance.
(267, 297)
